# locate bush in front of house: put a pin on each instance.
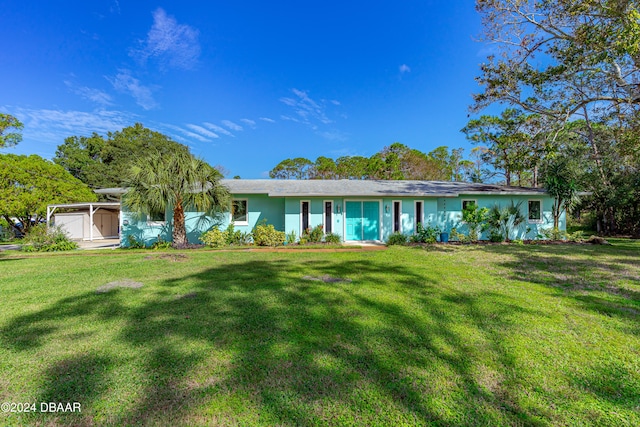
(397, 239)
(426, 234)
(267, 235)
(333, 238)
(47, 239)
(214, 238)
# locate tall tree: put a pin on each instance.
(509, 141)
(558, 57)
(7, 123)
(104, 162)
(298, 168)
(161, 181)
(29, 183)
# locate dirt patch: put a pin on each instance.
(327, 279)
(169, 257)
(190, 295)
(124, 283)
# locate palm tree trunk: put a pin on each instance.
(179, 228)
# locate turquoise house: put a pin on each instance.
(355, 210)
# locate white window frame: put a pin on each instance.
(246, 222)
(324, 215)
(415, 209)
(535, 221)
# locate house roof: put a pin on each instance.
(369, 188)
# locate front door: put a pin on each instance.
(362, 220)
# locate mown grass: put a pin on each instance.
(443, 335)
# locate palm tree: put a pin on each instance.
(505, 219)
(177, 181)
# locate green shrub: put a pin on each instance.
(160, 244)
(134, 243)
(214, 238)
(496, 236)
(576, 236)
(267, 235)
(47, 239)
(397, 239)
(476, 220)
(333, 238)
(316, 235)
(291, 237)
(426, 234)
(553, 234)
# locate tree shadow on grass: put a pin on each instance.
(292, 351)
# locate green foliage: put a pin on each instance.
(291, 237)
(553, 234)
(267, 235)
(560, 183)
(504, 220)
(9, 139)
(29, 183)
(133, 243)
(397, 239)
(313, 235)
(476, 220)
(177, 180)
(160, 244)
(214, 238)
(496, 236)
(426, 234)
(333, 238)
(103, 162)
(236, 237)
(41, 238)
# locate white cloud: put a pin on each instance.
(249, 122)
(267, 119)
(217, 128)
(95, 95)
(334, 135)
(306, 108)
(202, 131)
(231, 125)
(45, 125)
(173, 44)
(125, 82)
(404, 68)
(188, 133)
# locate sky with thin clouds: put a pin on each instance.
(243, 84)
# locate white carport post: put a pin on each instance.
(50, 212)
(90, 222)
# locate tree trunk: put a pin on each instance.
(179, 228)
(535, 177)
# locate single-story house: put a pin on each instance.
(356, 210)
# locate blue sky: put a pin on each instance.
(243, 84)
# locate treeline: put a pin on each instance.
(395, 162)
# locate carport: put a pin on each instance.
(87, 221)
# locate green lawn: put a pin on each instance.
(464, 335)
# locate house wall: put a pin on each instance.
(450, 213)
(293, 220)
(284, 214)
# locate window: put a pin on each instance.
(304, 211)
(397, 212)
(418, 214)
(535, 211)
(156, 217)
(328, 217)
(467, 203)
(239, 214)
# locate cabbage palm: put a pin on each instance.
(177, 181)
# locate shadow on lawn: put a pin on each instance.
(603, 280)
(291, 351)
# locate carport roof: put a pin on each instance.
(86, 205)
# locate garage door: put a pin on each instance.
(362, 220)
(71, 223)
